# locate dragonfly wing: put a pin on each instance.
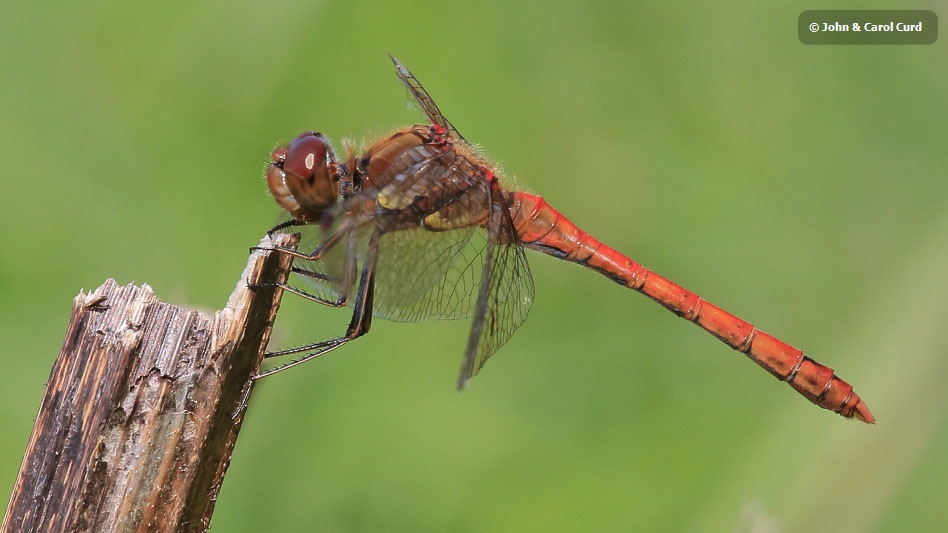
(421, 96)
(506, 290)
(424, 274)
(414, 174)
(430, 262)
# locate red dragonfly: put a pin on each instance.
(419, 226)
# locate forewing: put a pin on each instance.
(429, 255)
(421, 96)
(432, 267)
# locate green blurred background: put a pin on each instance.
(803, 187)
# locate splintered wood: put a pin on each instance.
(137, 426)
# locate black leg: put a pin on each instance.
(349, 271)
(361, 315)
(283, 225)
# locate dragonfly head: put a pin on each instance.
(304, 176)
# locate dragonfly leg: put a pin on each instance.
(342, 301)
(346, 231)
(283, 225)
(346, 281)
(358, 325)
(316, 255)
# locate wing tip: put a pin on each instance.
(464, 378)
(402, 71)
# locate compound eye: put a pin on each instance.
(306, 156)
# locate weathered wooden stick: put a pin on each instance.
(137, 427)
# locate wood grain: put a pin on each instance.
(138, 423)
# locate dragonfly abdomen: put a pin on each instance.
(543, 228)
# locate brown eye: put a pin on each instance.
(306, 155)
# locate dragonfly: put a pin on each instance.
(419, 226)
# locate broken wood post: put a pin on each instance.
(138, 423)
